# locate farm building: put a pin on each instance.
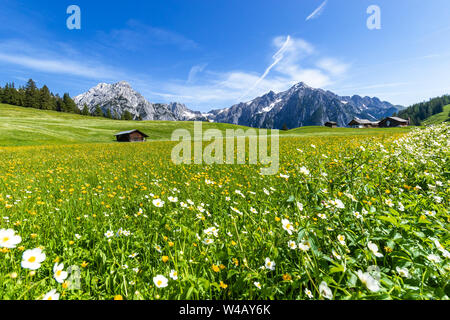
(331, 124)
(363, 123)
(390, 122)
(131, 136)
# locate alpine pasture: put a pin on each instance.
(352, 214)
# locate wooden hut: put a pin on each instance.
(362, 123)
(331, 124)
(391, 122)
(131, 136)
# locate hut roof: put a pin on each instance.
(397, 119)
(130, 131)
(360, 121)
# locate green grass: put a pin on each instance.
(26, 126)
(438, 118)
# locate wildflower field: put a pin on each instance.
(346, 217)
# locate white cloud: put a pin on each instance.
(194, 71)
(333, 66)
(318, 11)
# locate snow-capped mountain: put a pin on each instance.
(121, 97)
(300, 106)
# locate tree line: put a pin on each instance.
(423, 110)
(30, 96)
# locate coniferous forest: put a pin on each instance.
(30, 96)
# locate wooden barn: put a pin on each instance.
(331, 124)
(131, 136)
(390, 122)
(362, 123)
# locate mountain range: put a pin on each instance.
(299, 106)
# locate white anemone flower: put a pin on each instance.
(269, 264)
(51, 295)
(32, 259)
(9, 239)
(160, 281)
(374, 248)
(287, 226)
(371, 284)
(292, 245)
(158, 203)
(173, 275)
(325, 291)
(403, 272)
(59, 273)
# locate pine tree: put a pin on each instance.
(31, 95)
(45, 98)
(69, 104)
(126, 115)
(98, 111)
(108, 114)
(85, 111)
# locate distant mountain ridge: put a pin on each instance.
(120, 97)
(299, 106)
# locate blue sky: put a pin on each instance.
(212, 54)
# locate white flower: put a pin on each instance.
(287, 226)
(339, 204)
(213, 231)
(236, 210)
(253, 210)
(173, 274)
(59, 274)
(304, 246)
(304, 171)
(430, 213)
(322, 216)
(51, 295)
(437, 199)
(269, 264)
(309, 293)
(173, 199)
(160, 281)
(300, 206)
(183, 205)
(374, 248)
(341, 239)
(257, 284)
(434, 258)
(357, 215)
(371, 284)
(32, 259)
(337, 256)
(325, 291)
(158, 203)
(284, 176)
(208, 241)
(77, 236)
(109, 234)
(9, 239)
(292, 245)
(389, 203)
(403, 272)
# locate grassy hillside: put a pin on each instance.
(26, 126)
(438, 118)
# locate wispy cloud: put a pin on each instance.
(222, 89)
(316, 13)
(57, 61)
(277, 57)
(194, 71)
(136, 34)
